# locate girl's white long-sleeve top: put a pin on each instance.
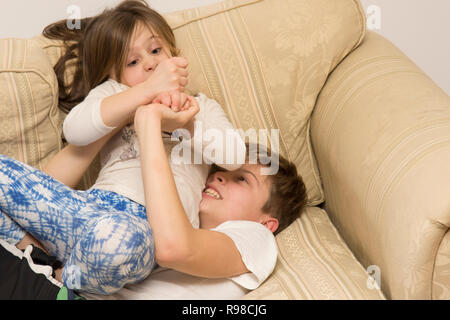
(120, 161)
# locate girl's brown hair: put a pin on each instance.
(100, 46)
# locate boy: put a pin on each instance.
(239, 212)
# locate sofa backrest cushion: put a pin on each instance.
(29, 114)
(264, 61)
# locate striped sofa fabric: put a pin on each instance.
(314, 263)
(30, 128)
(265, 62)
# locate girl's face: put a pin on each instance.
(147, 50)
(234, 195)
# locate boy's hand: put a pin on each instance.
(176, 100)
(170, 120)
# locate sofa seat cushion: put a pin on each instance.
(314, 263)
(31, 124)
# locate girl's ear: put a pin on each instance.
(270, 223)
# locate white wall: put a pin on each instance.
(26, 18)
(420, 28)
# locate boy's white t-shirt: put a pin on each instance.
(121, 173)
(258, 249)
(120, 162)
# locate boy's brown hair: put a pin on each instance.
(100, 46)
(287, 197)
(287, 193)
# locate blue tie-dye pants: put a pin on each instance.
(102, 238)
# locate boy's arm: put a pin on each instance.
(179, 246)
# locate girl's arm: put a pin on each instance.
(179, 246)
(71, 162)
(170, 75)
(215, 120)
(105, 109)
(84, 124)
(115, 108)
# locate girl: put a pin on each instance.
(143, 70)
(125, 58)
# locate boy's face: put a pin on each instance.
(147, 50)
(234, 195)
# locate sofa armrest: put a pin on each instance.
(381, 135)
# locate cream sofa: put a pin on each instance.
(368, 130)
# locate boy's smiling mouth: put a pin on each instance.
(212, 192)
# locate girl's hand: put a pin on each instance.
(169, 119)
(176, 100)
(170, 75)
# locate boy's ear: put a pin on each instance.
(270, 223)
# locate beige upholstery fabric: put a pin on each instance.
(31, 120)
(314, 263)
(265, 75)
(31, 126)
(265, 62)
(54, 49)
(381, 134)
(441, 275)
